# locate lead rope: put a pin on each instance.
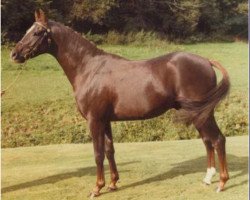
(14, 81)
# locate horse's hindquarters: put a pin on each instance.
(195, 76)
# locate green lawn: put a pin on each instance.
(40, 108)
(152, 170)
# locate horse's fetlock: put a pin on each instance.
(115, 177)
(100, 183)
(224, 177)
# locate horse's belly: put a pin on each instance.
(141, 107)
(141, 94)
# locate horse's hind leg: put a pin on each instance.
(110, 151)
(211, 171)
(214, 139)
(219, 145)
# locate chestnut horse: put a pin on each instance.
(109, 88)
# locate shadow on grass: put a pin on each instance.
(59, 177)
(235, 163)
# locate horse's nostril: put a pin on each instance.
(13, 55)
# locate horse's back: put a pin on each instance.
(150, 87)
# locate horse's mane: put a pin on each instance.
(78, 43)
(74, 40)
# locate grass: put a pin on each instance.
(40, 108)
(152, 170)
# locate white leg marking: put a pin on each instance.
(210, 173)
(218, 189)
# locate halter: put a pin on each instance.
(40, 24)
(32, 48)
(47, 33)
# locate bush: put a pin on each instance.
(96, 38)
(55, 122)
(115, 38)
(135, 38)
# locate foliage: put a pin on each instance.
(54, 122)
(17, 16)
(136, 38)
(175, 20)
(92, 11)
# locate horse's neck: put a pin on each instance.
(73, 52)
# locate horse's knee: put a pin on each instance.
(207, 141)
(110, 153)
(99, 158)
(109, 149)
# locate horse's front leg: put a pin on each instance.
(110, 151)
(97, 129)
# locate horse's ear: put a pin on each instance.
(40, 16)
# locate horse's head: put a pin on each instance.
(36, 41)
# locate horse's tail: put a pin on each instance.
(197, 112)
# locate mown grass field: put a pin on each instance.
(170, 170)
(40, 108)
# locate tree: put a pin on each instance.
(178, 19)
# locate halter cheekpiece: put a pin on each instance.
(48, 31)
(47, 34)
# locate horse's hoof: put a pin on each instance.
(206, 181)
(93, 194)
(112, 188)
(219, 189)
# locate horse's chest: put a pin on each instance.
(91, 101)
(83, 100)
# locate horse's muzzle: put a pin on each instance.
(16, 57)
